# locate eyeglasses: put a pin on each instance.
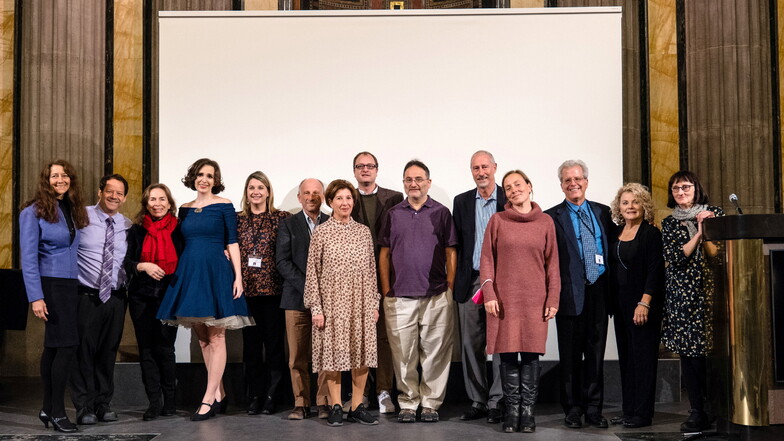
(684, 188)
(367, 166)
(574, 180)
(418, 180)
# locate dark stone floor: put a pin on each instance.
(20, 401)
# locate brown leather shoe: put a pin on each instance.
(323, 411)
(299, 413)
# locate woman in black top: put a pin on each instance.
(153, 246)
(637, 276)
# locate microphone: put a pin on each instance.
(734, 200)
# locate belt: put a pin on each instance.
(87, 291)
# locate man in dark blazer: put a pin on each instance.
(371, 209)
(291, 258)
(581, 230)
(471, 211)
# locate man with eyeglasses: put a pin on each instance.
(581, 228)
(417, 266)
(371, 209)
(472, 211)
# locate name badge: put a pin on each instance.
(599, 259)
(254, 262)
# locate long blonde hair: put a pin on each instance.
(259, 176)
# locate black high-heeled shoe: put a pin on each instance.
(63, 424)
(221, 406)
(44, 418)
(203, 416)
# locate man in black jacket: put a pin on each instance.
(471, 211)
(291, 258)
(371, 210)
(581, 229)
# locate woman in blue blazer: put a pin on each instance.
(48, 239)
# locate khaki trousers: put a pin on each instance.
(298, 335)
(420, 333)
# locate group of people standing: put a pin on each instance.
(373, 285)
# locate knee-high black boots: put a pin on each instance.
(510, 381)
(529, 383)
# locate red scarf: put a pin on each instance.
(158, 247)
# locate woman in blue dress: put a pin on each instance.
(206, 290)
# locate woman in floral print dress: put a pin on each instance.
(342, 295)
(686, 329)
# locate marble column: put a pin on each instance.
(663, 86)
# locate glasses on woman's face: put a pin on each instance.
(684, 188)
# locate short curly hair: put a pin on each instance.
(643, 196)
(190, 178)
(335, 186)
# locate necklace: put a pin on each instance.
(618, 253)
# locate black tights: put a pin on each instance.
(56, 365)
(511, 357)
(694, 376)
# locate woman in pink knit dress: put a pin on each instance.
(521, 285)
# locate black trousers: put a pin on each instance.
(263, 352)
(156, 350)
(581, 343)
(638, 356)
(100, 331)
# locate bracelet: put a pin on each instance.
(644, 305)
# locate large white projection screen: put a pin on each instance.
(298, 94)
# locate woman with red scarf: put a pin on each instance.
(154, 243)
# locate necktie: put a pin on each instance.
(589, 245)
(105, 286)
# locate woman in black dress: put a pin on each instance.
(153, 246)
(637, 270)
(49, 227)
(688, 283)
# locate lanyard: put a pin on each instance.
(590, 216)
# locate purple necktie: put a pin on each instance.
(105, 287)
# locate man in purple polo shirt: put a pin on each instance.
(417, 265)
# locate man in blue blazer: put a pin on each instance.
(291, 258)
(581, 230)
(471, 211)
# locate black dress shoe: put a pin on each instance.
(494, 415)
(86, 418)
(254, 408)
(573, 420)
(596, 420)
(152, 412)
(618, 420)
(168, 411)
(269, 406)
(106, 415)
(63, 424)
(474, 413)
(697, 422)
(635, 422)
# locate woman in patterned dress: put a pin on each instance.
(342, 295)
(263, 354)
(687, 285)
